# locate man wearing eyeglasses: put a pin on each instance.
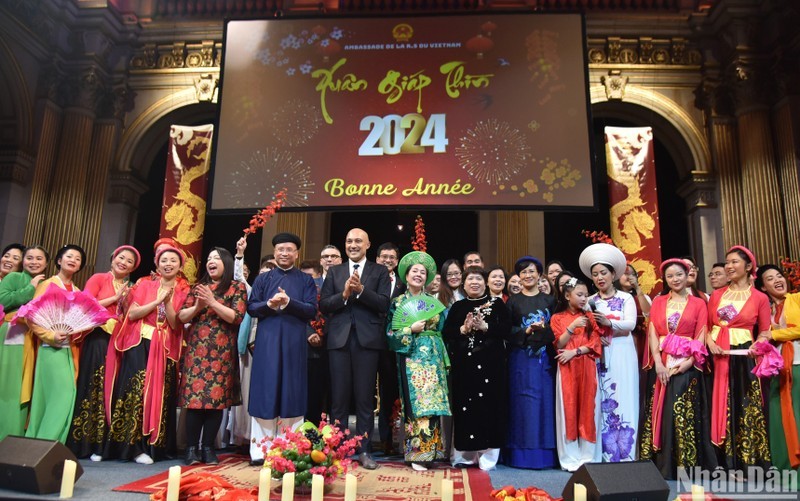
(717, 277)
(329, 256)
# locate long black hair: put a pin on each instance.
(446, 294)
(227, 273)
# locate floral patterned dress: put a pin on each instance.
(210, 378)
(422, 365)
(619, 380)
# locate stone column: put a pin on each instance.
(766, 234)
(119, 214)
(65, 203)
(726, 156)
(104, 141)
(787, 149)
(46, 153)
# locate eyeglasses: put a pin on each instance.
(454, 274)
(330, 256)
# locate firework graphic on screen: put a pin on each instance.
(492, 151)
(256, 181)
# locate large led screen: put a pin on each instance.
(483, 111)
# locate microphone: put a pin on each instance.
(592, 305)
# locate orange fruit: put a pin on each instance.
(318, 456)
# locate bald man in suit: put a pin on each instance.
(355, 298)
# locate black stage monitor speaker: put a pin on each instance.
(33, 465)
(630, 481)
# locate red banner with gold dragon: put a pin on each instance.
(633, 200)
(183, 213)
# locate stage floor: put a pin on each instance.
(99, 479)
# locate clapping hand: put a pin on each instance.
(164, 295)
(353, 285)
(279, 300)
(204, 295)
(469, 324)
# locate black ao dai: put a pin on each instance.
(478, 369)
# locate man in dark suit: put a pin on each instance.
(355, 298)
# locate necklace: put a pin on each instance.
(117, 283)
(613, 292)
(735, 296)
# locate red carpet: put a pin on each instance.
(390, 482)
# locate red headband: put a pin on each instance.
(170, 249)
(749, 255)
(680, 262)
(137, 258)
(166, 240)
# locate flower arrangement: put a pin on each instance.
(261, 217)
(791, 270)
(597, 237)
(419, 242)
(311, 450)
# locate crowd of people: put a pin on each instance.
(463, 362)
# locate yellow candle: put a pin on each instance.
(698, 493)
(350, 487)
(287, 490)
(580, 492)
(447, 489)
(317, 487)
(174, 483)
(68, 478)
(264, 481)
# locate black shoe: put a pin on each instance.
(366, 461)
(191, 456)
(209, 456)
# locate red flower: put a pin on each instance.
(419, 242)
(216, 366)
(226, 357)
(597, 237)
(260, 218)
(222, 340)
(204, 364)
(209, 376)
(195, 370)
(198, 385)
(217, 392)
(201, 351)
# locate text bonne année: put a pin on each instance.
(337, 187)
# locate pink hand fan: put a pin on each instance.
(60, 310)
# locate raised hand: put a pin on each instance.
(241, 245)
